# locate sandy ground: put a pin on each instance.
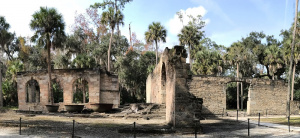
(61, 125)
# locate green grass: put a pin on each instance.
(10, 107)
(294, 121)
(7, 108)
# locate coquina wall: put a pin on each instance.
(167, 85)
(183, 95)
(213, 92)
(102, 87)
(264, 95)
(269, 97)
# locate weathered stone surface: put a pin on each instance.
(103, 87)
(168, 84)
(184, 94)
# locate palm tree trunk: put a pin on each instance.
(49, 69)
(1, 94)
(242, 93)
(108, 51)
(156, 51)
(190, 59)
(237, 88)
(291, 62)
(293, 80)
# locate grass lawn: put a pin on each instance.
(294, 121)
(6, 108)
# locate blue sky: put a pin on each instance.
(227, 20)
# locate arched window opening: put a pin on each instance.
(32, 91)
(80, 91)
(163, 77)
(163, 83)
(58, 93)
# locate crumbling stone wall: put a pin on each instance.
(184, 94)
(181, 106)
(103, 87)
(109, 89)
(264, 95)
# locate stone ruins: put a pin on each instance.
(188, 97)
(102, 87)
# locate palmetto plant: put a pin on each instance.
(273, 58)
(156, 32)
(49, 31)
(207, 62)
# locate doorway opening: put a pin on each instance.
(80, 91)
(32, 91)
(232, 102)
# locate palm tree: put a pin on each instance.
(111, 18)
(296, 60)
(273, 58)
(236, 54)
(3, 40)
(156, 32)
(291, 61)
(14, 66)
(190, 36)
(287, 55)
(49, 29)
(287, 41)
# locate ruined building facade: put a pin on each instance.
(102, 87)
(188, 97)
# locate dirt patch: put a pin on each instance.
(88, 124)
(61, 125)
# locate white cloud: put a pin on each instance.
(18, 13)
(175, 24)
(170, 43)
(214, 7)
